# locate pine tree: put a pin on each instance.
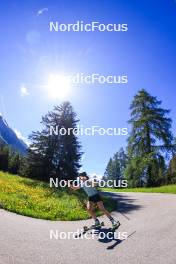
(55, 155)
(109, 172)
(116, 166)
(171, 171)
(4, 158)
(123, 160)
(14, 162)
(149, 139)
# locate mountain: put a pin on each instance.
(9, 137)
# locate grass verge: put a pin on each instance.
(36, 199)
(162, 189)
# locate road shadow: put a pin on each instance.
(106, 236)
(125, 204)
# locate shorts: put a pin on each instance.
(95, 198)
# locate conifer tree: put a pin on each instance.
(149, 140)
(55, 154)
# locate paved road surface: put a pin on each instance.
(148, 219)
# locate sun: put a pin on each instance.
(58, 86)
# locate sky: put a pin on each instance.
(30, 54)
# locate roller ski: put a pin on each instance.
(89, 228)
(97, 225)
(115, 225)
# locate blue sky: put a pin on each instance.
(29, 53)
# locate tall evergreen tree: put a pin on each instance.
(52, 154)
(109, 172)
(116, 166)
(150, 137)
(171, 171)
(14, 162)
(4, 158)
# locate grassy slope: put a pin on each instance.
(161, 189)
(36, 199)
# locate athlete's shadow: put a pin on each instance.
(106, 235)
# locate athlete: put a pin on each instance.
(94, 198)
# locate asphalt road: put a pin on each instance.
(149, 221)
